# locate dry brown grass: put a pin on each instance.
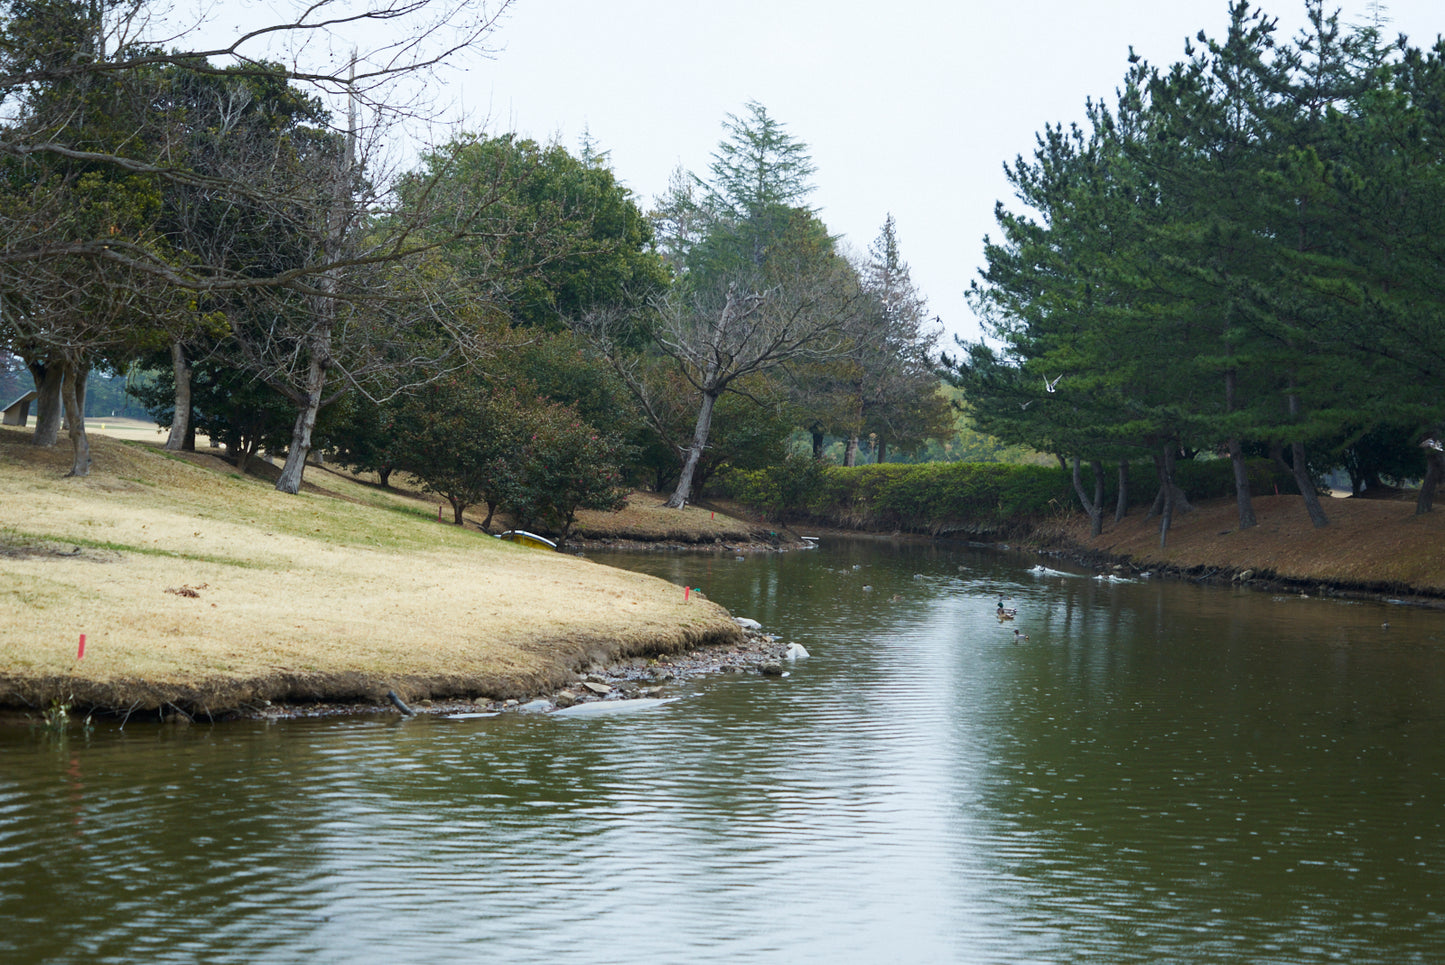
(648, 518)
(1370, 544)
(199, 587)
(645, 518)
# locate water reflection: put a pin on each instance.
(1162, 772)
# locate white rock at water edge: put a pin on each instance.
(748, 624)
(796, 651)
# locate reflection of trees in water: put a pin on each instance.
(1185, 757)
(1163, 770)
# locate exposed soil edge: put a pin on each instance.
(1058, 542)
(559, 662)
(1264, 580)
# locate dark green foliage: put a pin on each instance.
(1234, 257)
(955, 497)
(932, 498)
(783, 489)
(476, 441)
(564, 465)
(745, 435)
(563, 368)
(229, 405)
(1201, 479)
(574, 238)
(461, 438)
(365, 437)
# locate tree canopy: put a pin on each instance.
(1226, 260)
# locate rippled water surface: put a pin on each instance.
(1161, 772)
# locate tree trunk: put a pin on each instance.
(322, 306)
(882, 451)
(295, 466)
(245, 452)
(72, 393)
(1357, 478)
(181, 421)
(384, 475)
(1307, 486)
(1157, 506)
(1301, 469)
(48, 406)
(1434, 472)
(850, 452)
(1096, 524)
(1094, 507)
(1121, 505)
(1170, 497)
(817, 435)
(683, 492)
(459, 508)
(1167, 489)
(1242, 497)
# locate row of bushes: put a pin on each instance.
(947, 497)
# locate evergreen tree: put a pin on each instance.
(759, 286)
(891, 382)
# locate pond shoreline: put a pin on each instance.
(757, 654)
(1372, 549)
(753, 652)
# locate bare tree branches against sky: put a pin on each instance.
(910, 107)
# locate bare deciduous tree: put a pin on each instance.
(718, 339)
(72, 77)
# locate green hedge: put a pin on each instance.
(970, 497)
(929, 497)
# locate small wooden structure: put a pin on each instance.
(17, 413)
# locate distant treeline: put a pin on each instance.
(965, 498)
(1241, 255)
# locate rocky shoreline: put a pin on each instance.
(758, 654)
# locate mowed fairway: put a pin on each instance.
(199, 587)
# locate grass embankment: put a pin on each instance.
(203, 589)
(1370, 545)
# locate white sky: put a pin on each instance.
(907, 106)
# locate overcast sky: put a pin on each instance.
(908, 106)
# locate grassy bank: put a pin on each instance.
(1371, 545)
(199, 588)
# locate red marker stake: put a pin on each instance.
(81, 652)
(686, 592)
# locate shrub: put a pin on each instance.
(781, 490)
(970, 497)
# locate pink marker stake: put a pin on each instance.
(686, 593)
(79, 654)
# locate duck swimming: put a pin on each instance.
(1006, 613)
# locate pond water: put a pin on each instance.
(1160, 772)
